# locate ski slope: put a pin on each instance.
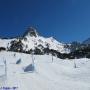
(57, 75)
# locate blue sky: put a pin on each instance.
(66, 20)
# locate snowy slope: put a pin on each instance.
(48, 75)
(5, 42)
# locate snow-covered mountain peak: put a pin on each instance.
(31, 32)
(32, 40)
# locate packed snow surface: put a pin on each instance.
(57, 75)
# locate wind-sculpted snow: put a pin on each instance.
(57, 75)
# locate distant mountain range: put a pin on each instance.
(31, 41)
(87, 41)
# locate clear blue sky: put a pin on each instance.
(66, 20)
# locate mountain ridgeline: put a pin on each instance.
(31, 42)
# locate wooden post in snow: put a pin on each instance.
(33, 58)
(5, 68)
(52, 58)
(75, 66)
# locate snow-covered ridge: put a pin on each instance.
(32, 39)
(45, 42)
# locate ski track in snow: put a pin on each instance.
(57, 75)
